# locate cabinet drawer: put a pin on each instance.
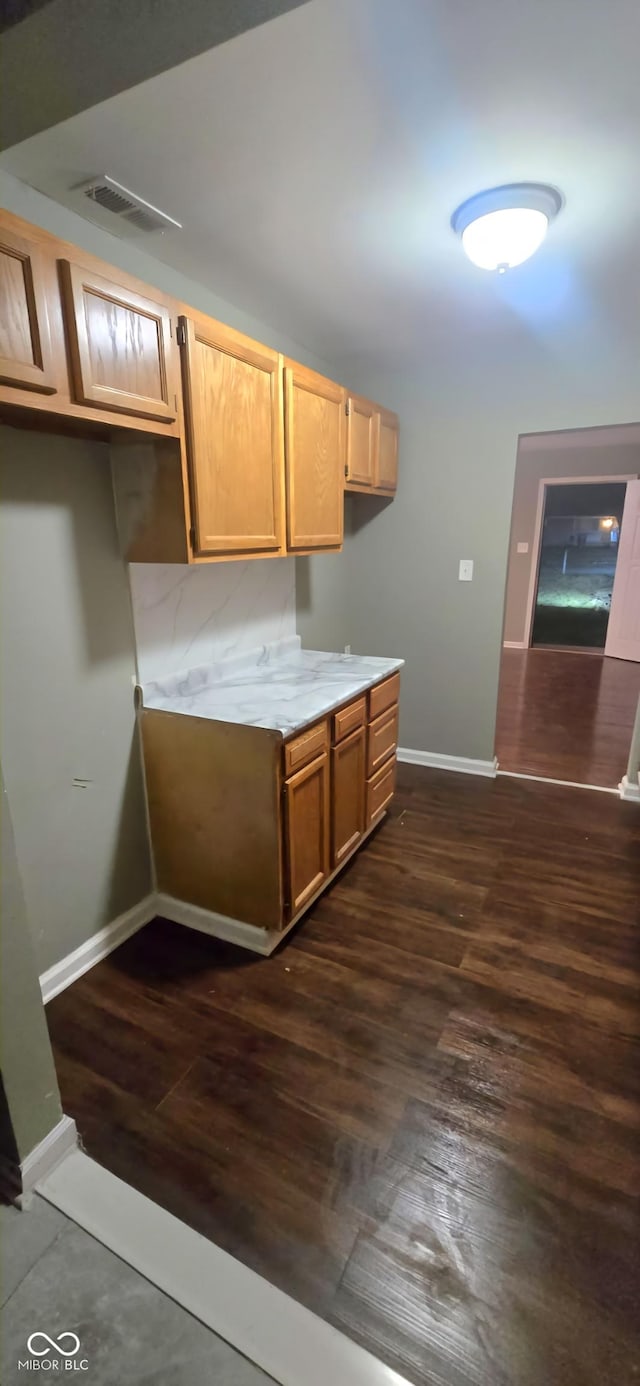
(305, 747)
(348, 719)
(382, 739)
(384, 695)
(380, 790)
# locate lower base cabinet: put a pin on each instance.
(250, 827)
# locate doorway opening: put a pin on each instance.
(570, 668)
(579, 546)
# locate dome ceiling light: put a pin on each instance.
(503, 227)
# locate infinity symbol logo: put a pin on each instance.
(51, 1343)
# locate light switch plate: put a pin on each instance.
(523, 548)
(465, 571)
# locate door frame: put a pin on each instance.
(536, 547)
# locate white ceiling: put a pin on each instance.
(315, 163)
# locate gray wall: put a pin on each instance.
(68, 644)
(42, 211)
(460, 421)
(69, 749)
(610, 459)
(75, 53)
(322, 598)
(29, 1101)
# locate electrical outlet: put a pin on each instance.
(523, 548)
(347, 649)
(465, 571)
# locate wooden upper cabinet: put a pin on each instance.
(120, 347)
(315, 459)
(307, 831)
(233, 406)
(26, 355)
(362, 441)
(387, 468)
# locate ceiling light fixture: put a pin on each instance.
(504, 226)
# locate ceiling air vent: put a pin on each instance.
(133, 210)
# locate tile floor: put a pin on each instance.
(56, 1278)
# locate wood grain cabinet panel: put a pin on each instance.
(382, 739)
(305, 747)
(362, 441)
(315, 459)
(347, 719)
(387, 451)
(26, 353)
(384, 695)
(307, 831)
(348, 788)
(233, 406)
(122, 356)
(380, 791)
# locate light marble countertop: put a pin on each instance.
(281, 686)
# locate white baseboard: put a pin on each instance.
(514, 645)
(628, 790)
(462, 764)
(41, 1162)
(63, 973)
(548, 779)
(217, 925)
(282, 1337)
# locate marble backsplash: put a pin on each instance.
(185, 617)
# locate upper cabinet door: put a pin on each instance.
(233, 402)
(315, 459)
(387, 472)
(120, 346)
(26, 356)
(362, 441)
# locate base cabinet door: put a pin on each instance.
(348, 790)
(307, 831)
(26, 355)
(121, 347)
(315, 459)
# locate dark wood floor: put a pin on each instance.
(421, 1116)
(566, 715)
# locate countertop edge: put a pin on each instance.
(360, 687)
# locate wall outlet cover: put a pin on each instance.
(465, 571)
